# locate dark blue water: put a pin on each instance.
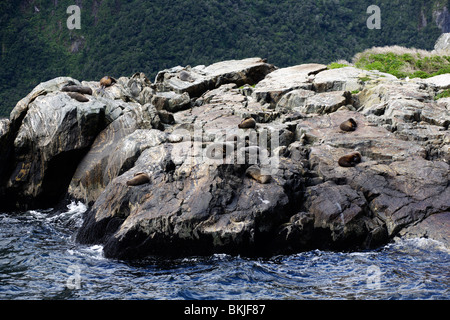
(40, 260)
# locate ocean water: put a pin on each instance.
(40, 260)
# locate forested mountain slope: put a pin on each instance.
(120, 37)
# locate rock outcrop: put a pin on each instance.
(213, 187)
(50, 133)
(200, 79)
(442, 45)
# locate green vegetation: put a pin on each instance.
(335, 65)
(119, 37)
(402, 65)
(443, 94)
(364, 79)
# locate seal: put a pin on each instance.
(185, 76)
(348, 125)
(107, 81)
(79, 89)
(77, 96)
(247, 123)
(350, 160)
(138, 179)
(254, 172)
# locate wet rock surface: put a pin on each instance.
(213, 187)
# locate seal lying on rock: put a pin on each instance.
(350, 160)
(107, 81)
(185, 76)
(349, 125)
(79, 89)
(77, 96)
(255, 173)
(138, 179)
(247, 123)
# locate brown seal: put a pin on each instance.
(79, 89)
(348, 125)
(107, 81)
(77, 96)
(247, 123)
(139, 178)
(350, 160)
(255, 173)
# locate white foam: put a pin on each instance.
(4, 219)
(98, 249)
(73, 215)
(94, 252)
(419, 243)
(36, 214)
(78, 207)
(221, 256)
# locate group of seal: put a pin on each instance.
(351, 159)
(138, 179)
(77, 92)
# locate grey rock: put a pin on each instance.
(183, 133)
(294, 100)
(435, 227)
(326, 102)
(442, 44)
(387, 91)
(114, 151)
(53, 136)
(409, 110)
(240, 72)
(346, 79)
(341, 210)
(171, 101)
(444, 103)
(279, 82)
(137, 83)
(193, 207)
(440, 82)
(43, 88)
(6, 152)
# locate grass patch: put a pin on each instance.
(443, 94)
(403, 62)
(364, 79)
(336, 65)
